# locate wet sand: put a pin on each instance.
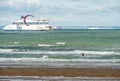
(66, 72)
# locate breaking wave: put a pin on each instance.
(14, 60)
(17, 51)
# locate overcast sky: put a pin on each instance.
(63, 12)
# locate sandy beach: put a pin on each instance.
(60, 72)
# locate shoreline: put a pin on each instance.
(66, 72)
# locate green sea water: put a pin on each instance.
(108, 40)
(97, 45)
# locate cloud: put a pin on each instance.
(16, 3)
(33, 2)
(19, 4)
(63, 7)
(74, 7)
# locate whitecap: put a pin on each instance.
(16, 42)
(50, 60)
(15, 60)
(7, 50)
(60, 43)
(96, 52)
(44, 45)
(44, 57)
(75, 52)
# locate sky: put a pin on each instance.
(63, 12)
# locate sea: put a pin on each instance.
(63, 48)
(72, 48)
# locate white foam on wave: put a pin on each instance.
(16, 42)
(14, 51)
(18, 59)
(96, 52)
(48, 45)
(45, 57)
(60, 43)
(56, 78)
(15, 60)
(81, 52)
(44, 45)
(7, 50)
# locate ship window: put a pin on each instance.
(37, 22)
(31, 23)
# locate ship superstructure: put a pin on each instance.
(28, 24)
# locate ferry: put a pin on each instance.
(26, 24)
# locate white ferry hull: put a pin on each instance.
(23, 28)
(29, 25)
